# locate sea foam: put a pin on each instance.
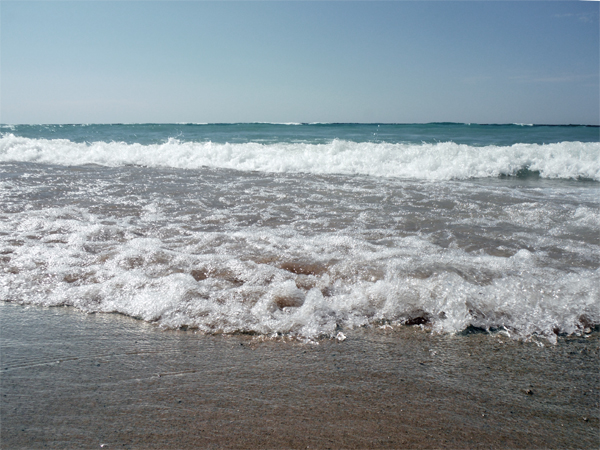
(280, 282)
(439, 161)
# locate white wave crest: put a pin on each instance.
(439, 161)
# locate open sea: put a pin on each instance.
(307, 230)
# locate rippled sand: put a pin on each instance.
(85, 381)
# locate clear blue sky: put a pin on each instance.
(485, 62)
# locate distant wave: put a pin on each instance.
(430, 161)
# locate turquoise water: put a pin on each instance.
(470, 134)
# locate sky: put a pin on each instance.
(216, 62)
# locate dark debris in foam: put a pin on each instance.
(418, 317)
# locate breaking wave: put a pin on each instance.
(428, 161)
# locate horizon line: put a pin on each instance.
(306, 123)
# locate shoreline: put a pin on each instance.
(73, 380)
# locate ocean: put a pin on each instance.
(306, 231)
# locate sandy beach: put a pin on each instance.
(71, 380)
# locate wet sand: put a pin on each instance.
(71, 380)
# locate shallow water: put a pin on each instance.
(308, 232)
(71, 380)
